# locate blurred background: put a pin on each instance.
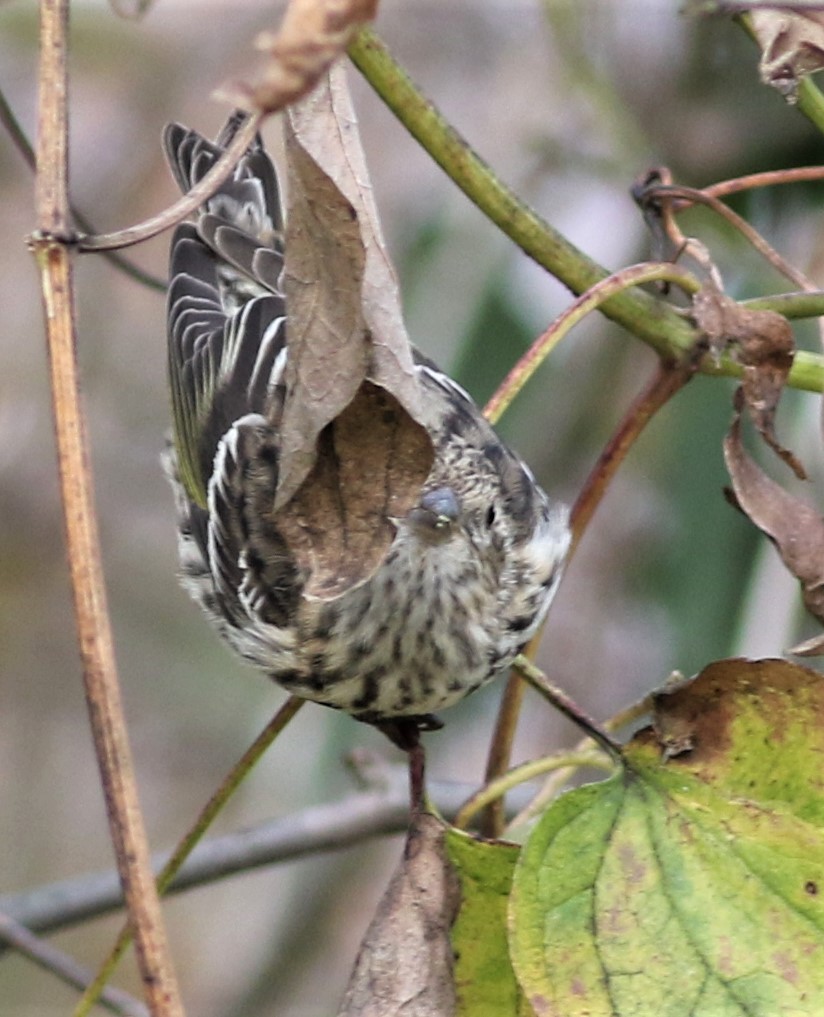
(568, 101)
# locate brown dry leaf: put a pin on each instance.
(792, 46)
(312, 35)
(404, 965)
(354, 446)
(763, 343)
(795, 528)
(337, 524)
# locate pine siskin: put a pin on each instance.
(472, 568)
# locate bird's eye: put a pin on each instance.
(490, 515)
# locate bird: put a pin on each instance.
(472, 567)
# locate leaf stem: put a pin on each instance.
(557, 778)
(562, 702)
(496, 789)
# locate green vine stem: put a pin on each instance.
(650, 319)
(496, 789)
(207, 815)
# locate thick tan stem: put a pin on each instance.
(52, 250)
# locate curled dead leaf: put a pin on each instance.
(404, 965)
(796, 528)
(369, 459)
(792, 46)
(763, 343)
(312, 35)
(328, 354)
(354, 448)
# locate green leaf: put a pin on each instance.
(690, 885)
(485, 983)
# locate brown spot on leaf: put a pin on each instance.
(711, 704)
(784, 966)
(633, 867)
(693, 717)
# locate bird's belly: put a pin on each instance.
(415, 639)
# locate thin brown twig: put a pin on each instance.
(765, 249)
(186, 204)
(64, 967)
(500, 750)
(596, 297)
(767, 178)
(83, 546)
(500, 747)
(665, 382)
(668, 379)
(23, 146)
(311, 36)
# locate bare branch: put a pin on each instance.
(64, 967)
(321, 828)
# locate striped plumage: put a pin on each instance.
(472, 568)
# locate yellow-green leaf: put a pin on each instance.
(485, 983)
(692, 885)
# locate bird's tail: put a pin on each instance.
(225, 311)
(242, 223)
